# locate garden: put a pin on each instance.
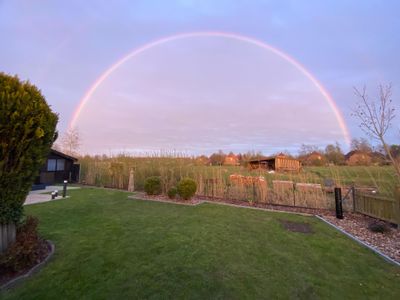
(109, 245)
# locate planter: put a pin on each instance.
(7, 235)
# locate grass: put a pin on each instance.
(109, 246)
(114, 172)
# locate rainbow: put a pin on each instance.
(234, 36)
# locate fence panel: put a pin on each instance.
(283, 193)
(310, 195)
(378, 207)
(7, 235)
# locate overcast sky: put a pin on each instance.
(200, 94)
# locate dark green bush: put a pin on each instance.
(152, 185)
(27, 131)
(187, 188)
(28, 249)
(378, 227)
(172, 192)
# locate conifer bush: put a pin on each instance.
(27, 131)
(172, 192)
(152, 185)
(186, 188)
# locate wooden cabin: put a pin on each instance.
(57, 168)
(278, 163)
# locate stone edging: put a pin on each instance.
(384, 256)
(32, 271)
(222, 203)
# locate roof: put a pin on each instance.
(267, 158)
(351, 153)
(63, 155)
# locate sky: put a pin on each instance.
(248, 82)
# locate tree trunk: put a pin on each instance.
(7, 235)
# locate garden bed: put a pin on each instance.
(8, 278)
(387, 242)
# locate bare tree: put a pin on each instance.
(71, 141)
(376, 117)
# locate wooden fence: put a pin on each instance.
(379, 207)
(7, 235)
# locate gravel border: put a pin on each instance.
(384, 256)
(32, 271)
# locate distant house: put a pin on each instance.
(202, 160)
(231, 160)
(278, 163)
(57, 168)
(313, 159)
(358, 158)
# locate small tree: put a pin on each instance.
(70, 142)
(334, 154)
(217, 159)
(27, 131)
(376, 118)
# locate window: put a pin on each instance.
(55, 165)
(60, 164)
(51, 164)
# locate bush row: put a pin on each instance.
(186, 187)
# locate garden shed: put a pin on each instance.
(278, 163)
(57, 168)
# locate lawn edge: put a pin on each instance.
(373, 249)
(221, 203)
(12, 283)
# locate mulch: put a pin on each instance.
(7, 275)
(353, 223)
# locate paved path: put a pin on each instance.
(39, 196)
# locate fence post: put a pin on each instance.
(397, 203)
(353, 194)
(338, 203)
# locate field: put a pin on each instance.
(110, 246)
(114, 172)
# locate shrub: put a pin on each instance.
(172, 192)
(378, 227)
(27, 131)
(187, 188)
(152, 185)
(28, 249)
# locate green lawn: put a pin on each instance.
(112, 247)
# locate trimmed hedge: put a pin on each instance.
(152, 185)
(187, 188)
(27, 131)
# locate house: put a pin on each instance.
(358, 158)
(278, 163)
(231, 160)
(57, 168)
(202, 160)
(313, 159)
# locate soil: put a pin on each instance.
(297, 227)
(355, 224)
(7, 275)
